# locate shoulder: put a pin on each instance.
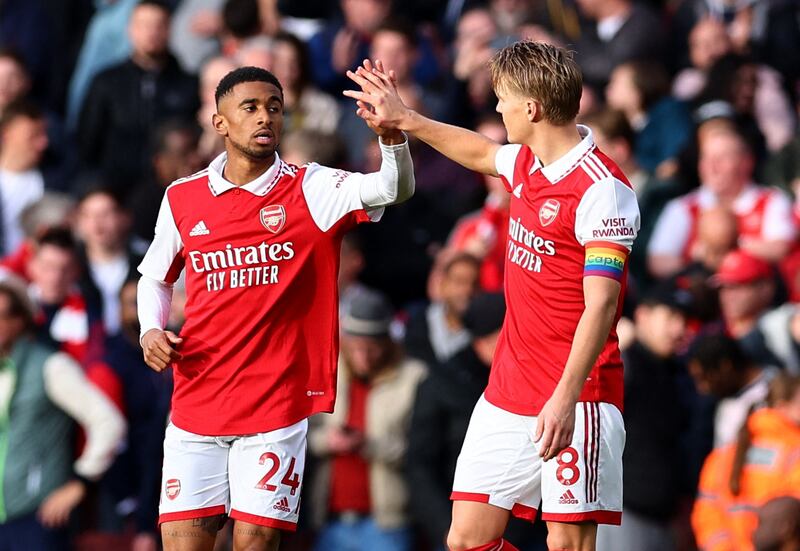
(188, 183)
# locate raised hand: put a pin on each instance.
(378, 102)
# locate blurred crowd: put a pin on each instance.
(103, 103)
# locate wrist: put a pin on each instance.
(409, 121)
(393, 137)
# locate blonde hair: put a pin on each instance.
(549, 74)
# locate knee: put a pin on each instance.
(462, 540)
(256, 539)
(568, 542)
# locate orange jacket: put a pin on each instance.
(724, 522)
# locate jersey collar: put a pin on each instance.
(559, 168)
(259, 186)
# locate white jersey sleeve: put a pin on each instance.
(505, 160)
(778, 223)
(333, 194)
(671, 231)
(163, 260)
(608, 212)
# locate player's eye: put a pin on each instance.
(274, 109)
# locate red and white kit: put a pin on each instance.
(261, 334)
(573, 218)
(762, 213)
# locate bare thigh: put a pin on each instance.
(251, 537)
(476, 524)
(197, 534)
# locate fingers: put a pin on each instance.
(374, 78)
(548, 437)
(362, 96)
(173, 338)
(359, 77)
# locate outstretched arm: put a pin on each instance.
(380, 106)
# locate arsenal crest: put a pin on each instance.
(273, 217)
(548, 212)
(172, 488)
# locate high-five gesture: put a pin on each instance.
(378, 102)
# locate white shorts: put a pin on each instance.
(254, 478)
(499, 464)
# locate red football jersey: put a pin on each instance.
(575, 217)
(261, 333)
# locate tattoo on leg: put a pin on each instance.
(209, 525)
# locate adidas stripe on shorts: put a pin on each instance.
(500, 464)
(254, 478)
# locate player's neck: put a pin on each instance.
(240, 169)
(553, 142)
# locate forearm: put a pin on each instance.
(771, 250)
(154, 299)
(590, 337)
(394, 183)
(465, 147)
(105, 427)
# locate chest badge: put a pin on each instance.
(548, 212)
(273, 217)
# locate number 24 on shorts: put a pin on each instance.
(290, 479)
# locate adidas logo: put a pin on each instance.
(199, 229)
(283, 504)
(567, 498)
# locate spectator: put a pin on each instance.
(133, 480)
(241, 20)
(360, 494)
(61, 320)
(175, 156)
(766, 227)
(720, 368)
(761, 107)
(396, 43)
(619, 31)
(194, 36)
(746, 291)
(108, 259)
(436, 334)
(351, 264)
(105, 45)
(778, 525)
(471, 84)
(211, 143)
(662, 124)
(125, 102)
(25, 28)
(43, 392)
(709, 42)
(657, 413)
(442, 410)
(23, 141)
(305, 146)
(256, 51)
(781, 331)
(304, 105)
(482, 233)
(342, 44)
(14, 79)
(52, 210)
(740, 477)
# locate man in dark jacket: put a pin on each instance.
(126, 102)
(656, 414)
(441, 414)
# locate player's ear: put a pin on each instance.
(534, 110)
(220, 124)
